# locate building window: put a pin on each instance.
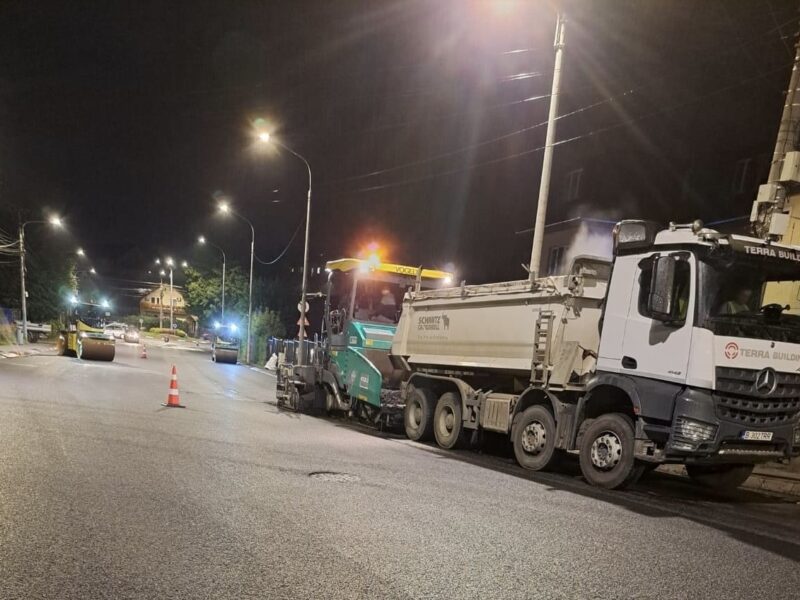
(554, 259)
(741, 176)
(574, 184)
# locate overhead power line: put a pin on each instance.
(574, 138)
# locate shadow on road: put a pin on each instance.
(767, 521)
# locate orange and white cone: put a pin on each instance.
(174, 397)
(144, 352)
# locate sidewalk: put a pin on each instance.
(770, 477)
(15, 350)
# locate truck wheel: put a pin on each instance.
(447, 425)
(606, 453)
(534, 437)
(719, 477)
(418, 414)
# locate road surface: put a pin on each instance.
(106, 494)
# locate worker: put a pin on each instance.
(739, 304)
(387, 307)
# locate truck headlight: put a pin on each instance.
(688, 433)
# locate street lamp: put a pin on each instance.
(80, 252)
(202, 240)
(55, 222)
(225, 208)
(170, 264)
(267, 138)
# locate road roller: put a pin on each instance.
(84, 336)
(225, 347)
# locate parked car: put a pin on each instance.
(131, 335)
(117, 330)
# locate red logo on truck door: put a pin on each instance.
(731, 350)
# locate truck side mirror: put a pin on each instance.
(661, 303)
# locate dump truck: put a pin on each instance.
(348, 368)
(84, 335)
(672, 352)
(225, 344)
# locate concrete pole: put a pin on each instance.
(547, 160)
(304, 288)
(250, 298)
(23, 293)
(171, 302)
(223, 286)
(160, 302)
(785, 141)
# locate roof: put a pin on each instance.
(352, 264)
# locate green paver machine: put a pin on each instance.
(349, 369)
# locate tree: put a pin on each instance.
(204, 293)
(266, 324)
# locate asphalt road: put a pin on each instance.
(106, 494)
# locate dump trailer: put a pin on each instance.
(225, 347)
(84, 336)
(672, 352)
(348, 369)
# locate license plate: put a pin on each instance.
(759, 436)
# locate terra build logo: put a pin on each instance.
(731, 350)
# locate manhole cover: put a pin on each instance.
(335, 477)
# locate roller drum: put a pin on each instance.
(90, 349)
(226, 355)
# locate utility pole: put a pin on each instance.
(22, 283)
(772, 197)
(547, 160)
(161, 302)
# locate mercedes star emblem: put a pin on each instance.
(766, 381)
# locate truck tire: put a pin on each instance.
(418, 414)
(719, 477)
(606, 452)
(448, 428)
(533, 435)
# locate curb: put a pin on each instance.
(762, 479)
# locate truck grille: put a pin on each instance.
(737, 399)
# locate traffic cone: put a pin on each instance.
(144, 352)
(173, 398)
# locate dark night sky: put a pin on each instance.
(127, 117)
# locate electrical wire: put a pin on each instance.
(742, 46)
(280, 256)
(574, 138)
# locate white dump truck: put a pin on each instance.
(670, 353)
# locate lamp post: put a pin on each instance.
(202, 240)
(267, 138)
(170, 265)
(55, 222)
(161, 274)
(225, 208)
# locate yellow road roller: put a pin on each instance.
(225, 347)
(84, 338)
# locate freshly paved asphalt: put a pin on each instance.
(106, 494)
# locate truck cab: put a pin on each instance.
(712, 362)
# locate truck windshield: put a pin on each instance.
(378, 301)
(746, 297)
